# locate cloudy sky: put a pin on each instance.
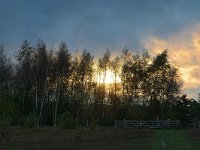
(99, 24)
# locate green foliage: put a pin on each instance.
(66, 121)
(93, 124)
(148, 88)
(5, 131)
(8, 109)
(170, 139)
(134, 113)
(30, 121)
(195, 112)
(105, 122)
(182, 110)
(5, 121)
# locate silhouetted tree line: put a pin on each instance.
(55, 87)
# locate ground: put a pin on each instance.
(171, 140)
(49, 138)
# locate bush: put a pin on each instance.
(8, 109)
(30, 121)
(93, 124)
(104, 122)
(5, 131)
(66, 121)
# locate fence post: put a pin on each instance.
(124, 123)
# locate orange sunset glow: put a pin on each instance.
(109, 78)
(76, 74)
(184, 50)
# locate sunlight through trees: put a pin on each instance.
(46, 85)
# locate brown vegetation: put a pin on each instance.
(49, 138)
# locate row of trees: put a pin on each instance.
(45, 85)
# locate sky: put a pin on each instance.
(95, 25)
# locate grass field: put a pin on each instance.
(171, 140)
(102, 139)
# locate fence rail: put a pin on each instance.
(147, 124)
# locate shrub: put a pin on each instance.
(5, 131)
(93, 124)
(30, 121)
(9, 110)
(66, 121)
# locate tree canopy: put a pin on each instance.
(46, 85)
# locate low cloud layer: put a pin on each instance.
(184, 50)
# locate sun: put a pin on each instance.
(109, 78)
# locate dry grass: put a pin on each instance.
(194, 135)
(49, 138)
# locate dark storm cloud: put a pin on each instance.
(93, 24)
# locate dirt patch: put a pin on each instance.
(52, 139)
(194, 137)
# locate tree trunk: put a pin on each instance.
(55, 114)
(43, 98)
(40, 114)
(36, 101)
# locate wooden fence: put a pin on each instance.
(147, 124)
